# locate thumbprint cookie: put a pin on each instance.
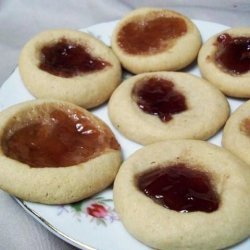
(236, 133)
(55, 152)
(154, 39)
(71, 66)
(156, 106)
(184, 194)
(224, 60)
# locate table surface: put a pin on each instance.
(21, 20)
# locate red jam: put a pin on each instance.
(179, 188)
(63, 139)
(233, 53)
(151, 36)
(157, 96)
(67, 59)
(245, 126)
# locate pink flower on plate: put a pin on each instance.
(97, 210)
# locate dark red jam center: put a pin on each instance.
(63, 139)
(179, 188)
(157, 96)
(245, 126)
(68, 59)
(233, 53)
(150, 36)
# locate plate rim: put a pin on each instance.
(52, 228)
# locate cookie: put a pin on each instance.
(156, 106)
(55, 152)
(154, 39)
(225, 62)
(236, 134)
(71, 66)
(184, 194)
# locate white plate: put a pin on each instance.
(93, 223)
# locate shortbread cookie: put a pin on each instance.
(184, 194)
(156, 106)
(224, 60)
(236, 134)
(153, 39)
(71, 66)
(55, 152)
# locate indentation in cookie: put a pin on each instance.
(67, 59)
(151, 36)
(58, 138)
(233, 53)
(179, 187)
(157, 96)
(245, 126)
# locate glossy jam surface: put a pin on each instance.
(245, 126)
(179, 188)
(233, 53)
(157, 96)
(63, 139)
(68, 59)
(150, 36)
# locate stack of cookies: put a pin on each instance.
(178, 191)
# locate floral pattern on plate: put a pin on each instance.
(99, 210)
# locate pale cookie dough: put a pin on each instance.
(166, 53)
(207, 110)
(236, 134)
(63, 183)
(232, 84)
(86, 89)
(162, 228)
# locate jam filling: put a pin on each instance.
(151, 36)
(233, 53)
(157, 96)
(63, 139)
(245, 126)
(67, 59)
(179, 188)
